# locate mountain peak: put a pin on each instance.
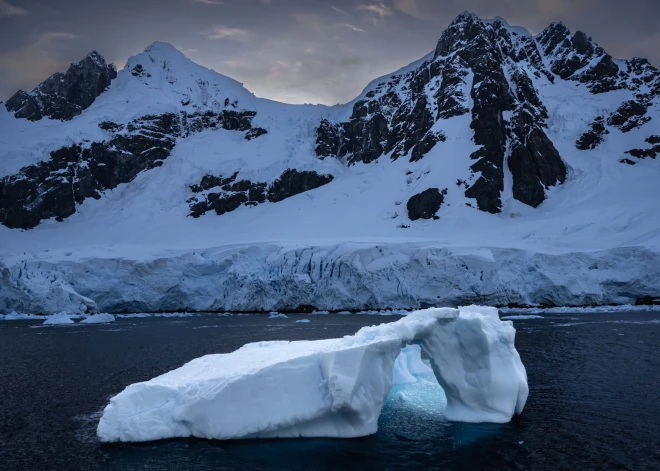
(463, 29)
(465, 16)
(95, 56)
(498, 20)
(65, 95)
(163, 48)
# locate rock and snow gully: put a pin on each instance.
(328, 388)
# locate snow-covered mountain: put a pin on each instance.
(502, 167)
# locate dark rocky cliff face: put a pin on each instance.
(55, 187)
(473, 61)
(486, 70)
(63, 96)
(225, 194)
(426, 204)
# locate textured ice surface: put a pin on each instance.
(328, 388)
(61, 318)
(98, 319)
(365, 276)
(408, 365)
(15, 316)
(580, 310)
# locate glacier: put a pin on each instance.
(328, 388)
(281, 277)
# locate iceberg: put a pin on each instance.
(15, 316)
(98, 319)
(328, 388)
(58, 319)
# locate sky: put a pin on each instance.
(296, 51)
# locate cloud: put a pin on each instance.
(210, 2)
(7, 9)
(410, 7)
(225, 32)
(354, 28)
(47, 38)
(377, 8)
(340, 11)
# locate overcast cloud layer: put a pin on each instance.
(297, 51)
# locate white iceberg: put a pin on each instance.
(327, 388)
(303, 321)
(277, 315)
(58, 319)
(15, 316)
(98, 319)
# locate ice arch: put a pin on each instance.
(326, 388)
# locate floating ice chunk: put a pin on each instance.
(327, 388)
(581, 310)
(320, 313)
(56, 319)
(98, 319)
(302, 321)
(15, 316)
(277, 315)
(162, 314)
(521, 317)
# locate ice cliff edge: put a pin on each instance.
(326, 388)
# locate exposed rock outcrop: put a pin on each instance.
(630, 115)
(53, 188)
(649, 152)
(426, 204)
(63, 96)
(225, 194)
(594, 136)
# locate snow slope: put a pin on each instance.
(595, 239)
(327, 388)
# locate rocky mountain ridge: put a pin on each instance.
(404, 115)
(63, 96)
(484, 71)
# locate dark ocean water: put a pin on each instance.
(594, 401)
